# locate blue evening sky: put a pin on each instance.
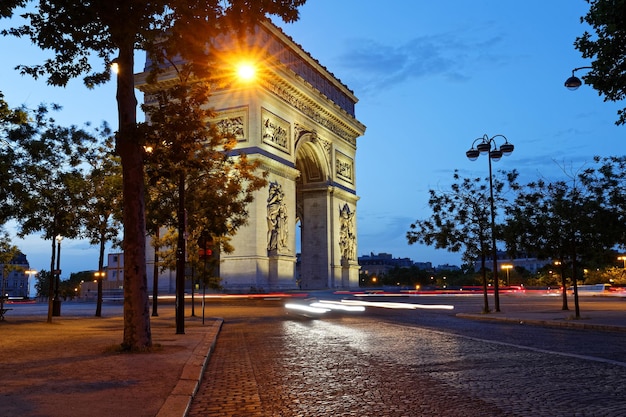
(430, 77)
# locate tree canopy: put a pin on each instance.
(581, 218)
(607, 48)
(460, 219)
(85, 37)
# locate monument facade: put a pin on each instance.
(299, 121)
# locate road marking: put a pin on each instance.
(533, 349)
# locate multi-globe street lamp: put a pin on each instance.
(487, 146)
(99, 275)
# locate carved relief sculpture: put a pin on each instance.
(343, 167)
(277, 227)
(347, 234)
(275, 131)
(232, 126)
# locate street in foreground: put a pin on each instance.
(407, 363)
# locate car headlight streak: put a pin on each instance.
(324, 306)
(334, 305)
(306, 308)
(405, 306)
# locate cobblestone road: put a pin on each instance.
(356, 366)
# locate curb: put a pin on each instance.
(546, 323)
(179, 400)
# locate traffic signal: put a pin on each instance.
(205, 246)
(205, 253)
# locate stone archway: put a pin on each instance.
(298, 121)
(312, 213)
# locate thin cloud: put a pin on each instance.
(372, 65)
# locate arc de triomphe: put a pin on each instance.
(298, 119)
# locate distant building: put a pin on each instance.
(424, 266)
(115, 267)
(447, 267)
(523, 260)
(14, 277)
(378, 264)
(112, 281)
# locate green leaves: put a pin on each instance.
(583, 216)
(460, 218)
(46, 186)
(608, 50)
(218, 185)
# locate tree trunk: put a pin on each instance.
(483, 268)
(180, 258)
(155, 278)
(137, 333)
(51, 283)
(100, 277)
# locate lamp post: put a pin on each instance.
(30, 273)
(487, 146)
(181, 257)
(507, 267)
(2, 294)
(56, 303)
(99, 275)
(573, 82)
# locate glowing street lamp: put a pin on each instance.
(507, 267)
(246, 71)
(563, 284)
(99, 275)
(487, 146)
(115, 66)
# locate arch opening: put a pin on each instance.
(312, 216)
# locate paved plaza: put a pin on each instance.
(260, 361)
(359, 367)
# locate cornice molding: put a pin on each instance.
(316, 112)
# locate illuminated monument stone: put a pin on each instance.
(299, 121)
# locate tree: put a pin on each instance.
(7, 7)
(571, 220)
(460, 220)
(196, 180)
(9, 116)
(70, 287)
(7, 254)
(77, 32)
(49, 185)
(608, 50)
(608, 183)
(407, 276)
(102, 215)
(9, 119)
(42, 283)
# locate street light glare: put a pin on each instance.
(246, 71)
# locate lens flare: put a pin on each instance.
(246, 71)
